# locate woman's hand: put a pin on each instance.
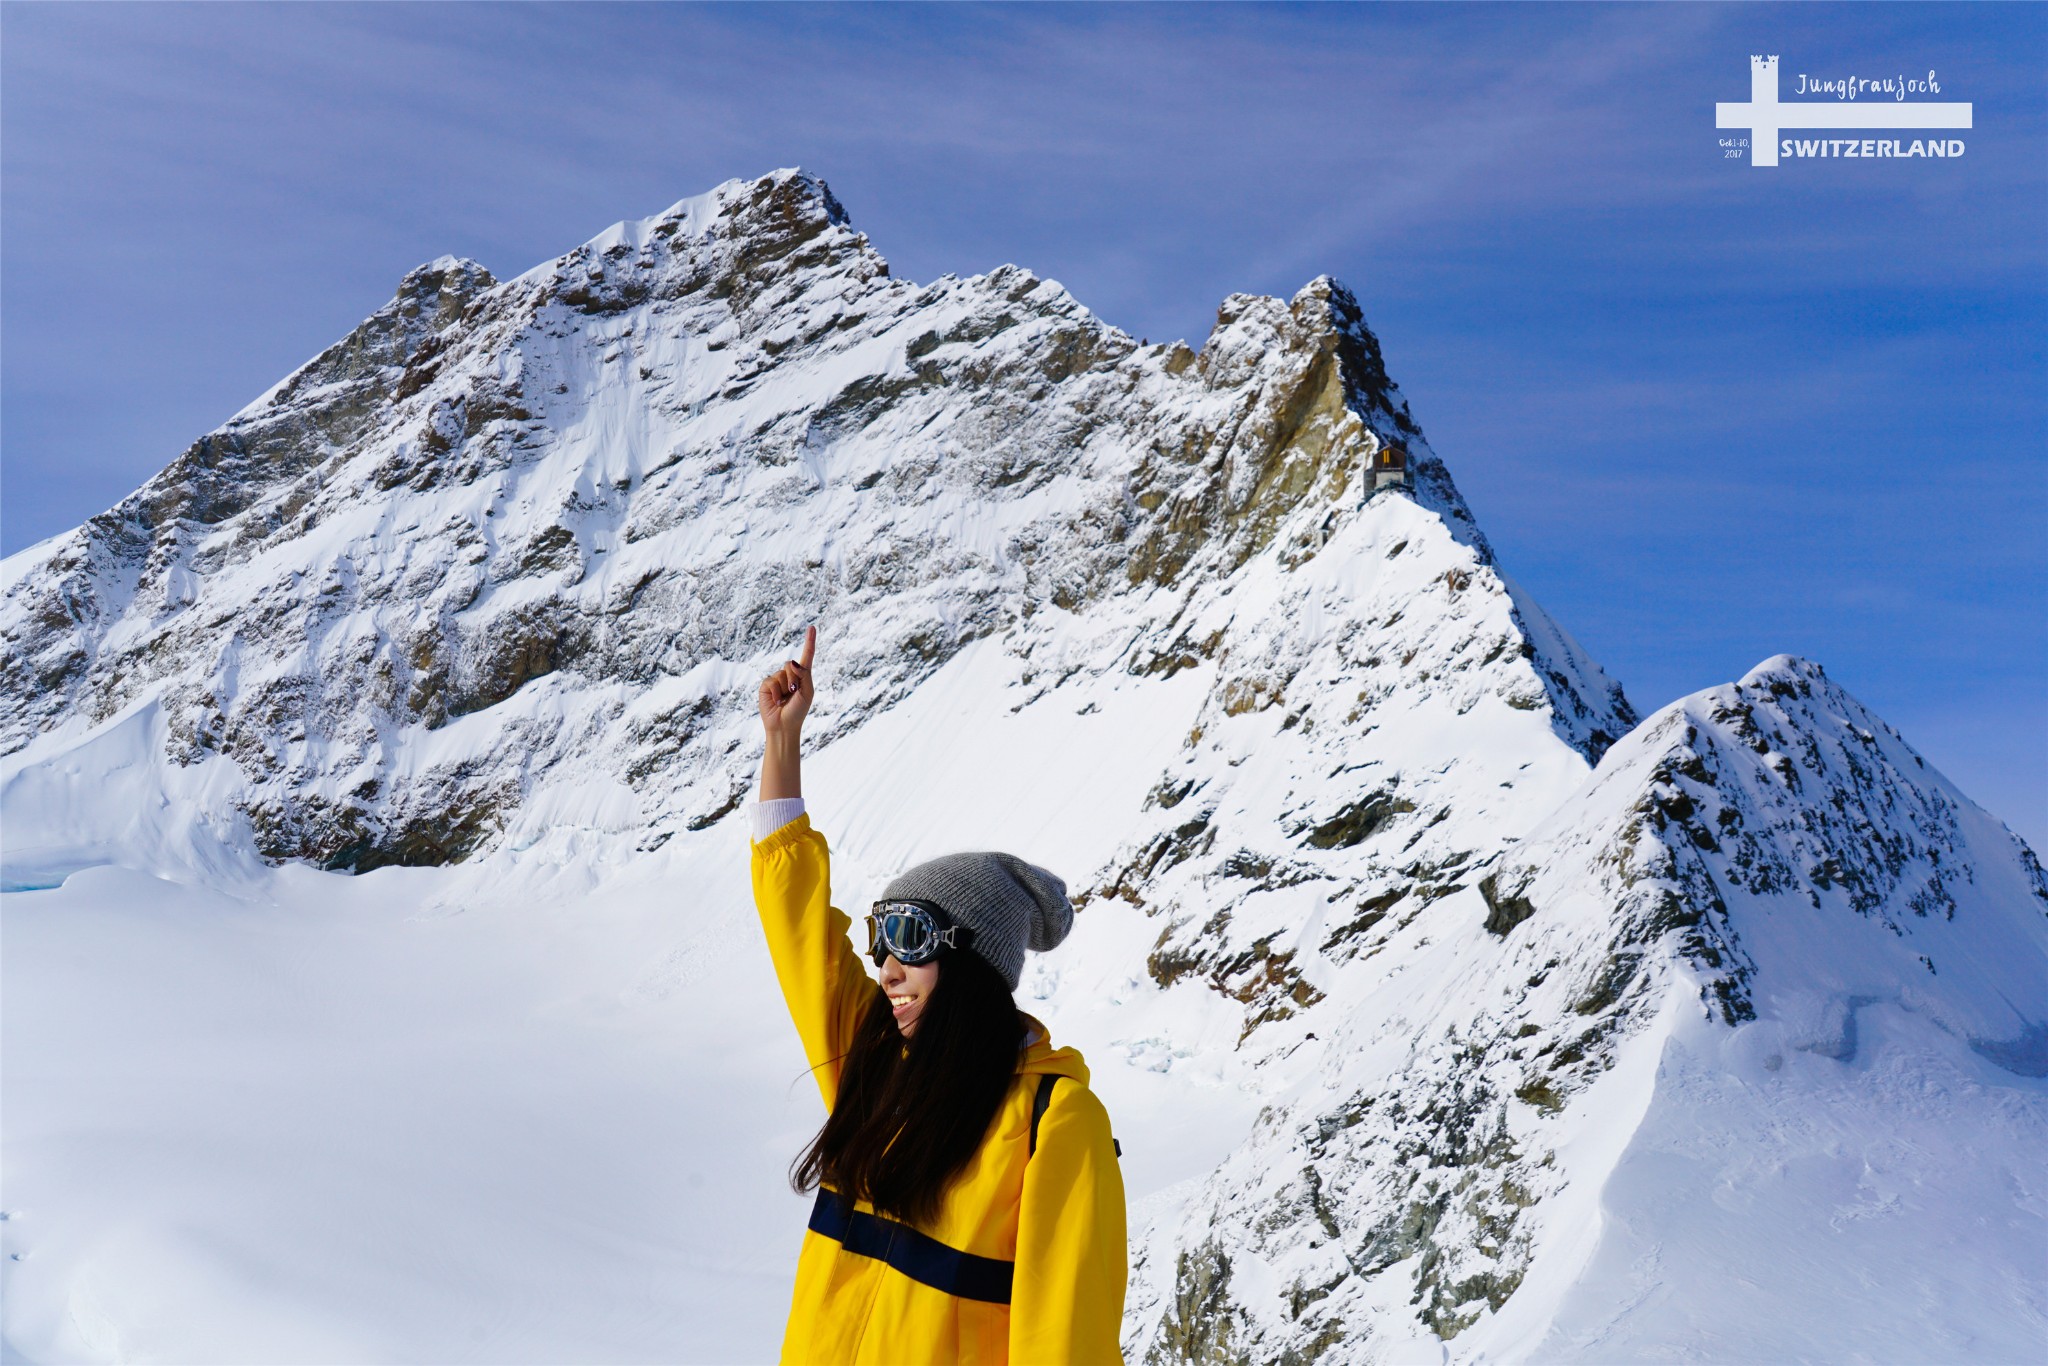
(786, 693)
(785, 699)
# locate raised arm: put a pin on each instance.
(822, 981)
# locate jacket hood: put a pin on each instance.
(1041, 1058)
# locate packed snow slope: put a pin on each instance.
(1442, 1007)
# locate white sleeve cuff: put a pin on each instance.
(771, 815)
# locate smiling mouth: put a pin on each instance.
(899, 1004)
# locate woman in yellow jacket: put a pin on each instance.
(969, 1205)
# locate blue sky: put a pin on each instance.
(1707, 412)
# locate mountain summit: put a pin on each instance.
(1370, 840)
(662, 451)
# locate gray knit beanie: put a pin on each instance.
(1008, 903)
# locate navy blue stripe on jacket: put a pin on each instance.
(924, 1259)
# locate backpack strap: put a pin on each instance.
(1041, 1101)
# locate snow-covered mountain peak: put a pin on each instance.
(1805, 858)
(455, 270)
(738, 207)
(668, 448)
(1866, 875)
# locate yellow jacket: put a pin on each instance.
(1026, 1260)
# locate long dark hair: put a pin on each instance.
(911, 1112)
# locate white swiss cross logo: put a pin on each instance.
(1765, 118)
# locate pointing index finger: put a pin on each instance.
(810, 646)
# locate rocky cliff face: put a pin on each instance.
(510, 540)
(1768, 848)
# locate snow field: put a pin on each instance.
(534, 1108)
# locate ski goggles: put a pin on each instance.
(912, 932)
